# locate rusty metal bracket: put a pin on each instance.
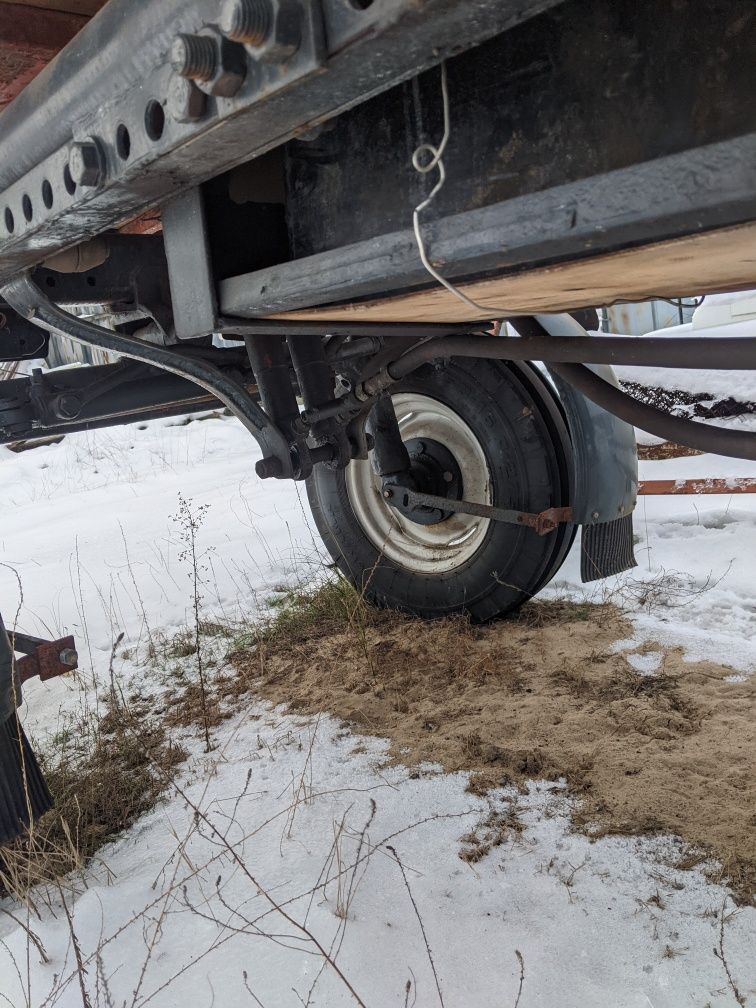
(541, 523)
(46, 659)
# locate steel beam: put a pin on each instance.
(116, 75)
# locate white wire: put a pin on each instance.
(436, 161)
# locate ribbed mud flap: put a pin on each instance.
(23, 791)
(607, 548)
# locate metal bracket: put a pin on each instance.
(46, 659)
(541, 523)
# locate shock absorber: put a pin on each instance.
(317, 381)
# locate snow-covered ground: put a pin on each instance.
(90, 545)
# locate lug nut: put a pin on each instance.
(448, 477)
(247, 21)
(194, 56)
(85, 163)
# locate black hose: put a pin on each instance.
(29, 301)
(717, 440)
(731, 353)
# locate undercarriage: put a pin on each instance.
(355, 224)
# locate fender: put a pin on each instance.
(606, 469)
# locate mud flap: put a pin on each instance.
(24, 796)
(607, 548)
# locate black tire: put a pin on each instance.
(515, 417)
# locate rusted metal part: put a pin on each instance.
(541, 523)
(29, 38)
(739, 485)
(547, 520)
(46, 659)
(147, 223)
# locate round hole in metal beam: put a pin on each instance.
(123, 142)
(9, 222)
(26, 206)
(47, 194)
(154, 120)
(68, 181)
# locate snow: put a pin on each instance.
(88, 534)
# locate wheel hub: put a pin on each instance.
(445, 543)
(433, 470)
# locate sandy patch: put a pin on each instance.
(542, 696)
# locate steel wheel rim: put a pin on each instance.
(424, 549)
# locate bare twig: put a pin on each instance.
(392, 851)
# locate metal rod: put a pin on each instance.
(737, 353)
(30, 302)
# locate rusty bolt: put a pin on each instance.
(248, 21)
(270, 29)
(69, 658)
(185, 102)
(217, 65)
(85, 163)
(194, 56)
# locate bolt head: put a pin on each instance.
(388, 494)
(185, 102)
(85, 163)
(69, 658)
(595, 515)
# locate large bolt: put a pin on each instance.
(85, 163)
(194, 56)
(268, 468)
(247, 21)
(68, 657)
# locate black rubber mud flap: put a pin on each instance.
(24, 796)
(607, 548)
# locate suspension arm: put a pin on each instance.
(32, 304)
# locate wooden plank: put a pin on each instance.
(718, 260)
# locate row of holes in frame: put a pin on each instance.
(154, 124)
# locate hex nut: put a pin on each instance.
(230, 71)
(217, 65)
(185, 102)
(85, 163)
(69, 658)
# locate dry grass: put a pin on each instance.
(103, 774)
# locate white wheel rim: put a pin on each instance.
(424, 549)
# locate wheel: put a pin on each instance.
(497, 432)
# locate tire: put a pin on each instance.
(504, 427)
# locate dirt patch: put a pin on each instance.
(539, 696)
